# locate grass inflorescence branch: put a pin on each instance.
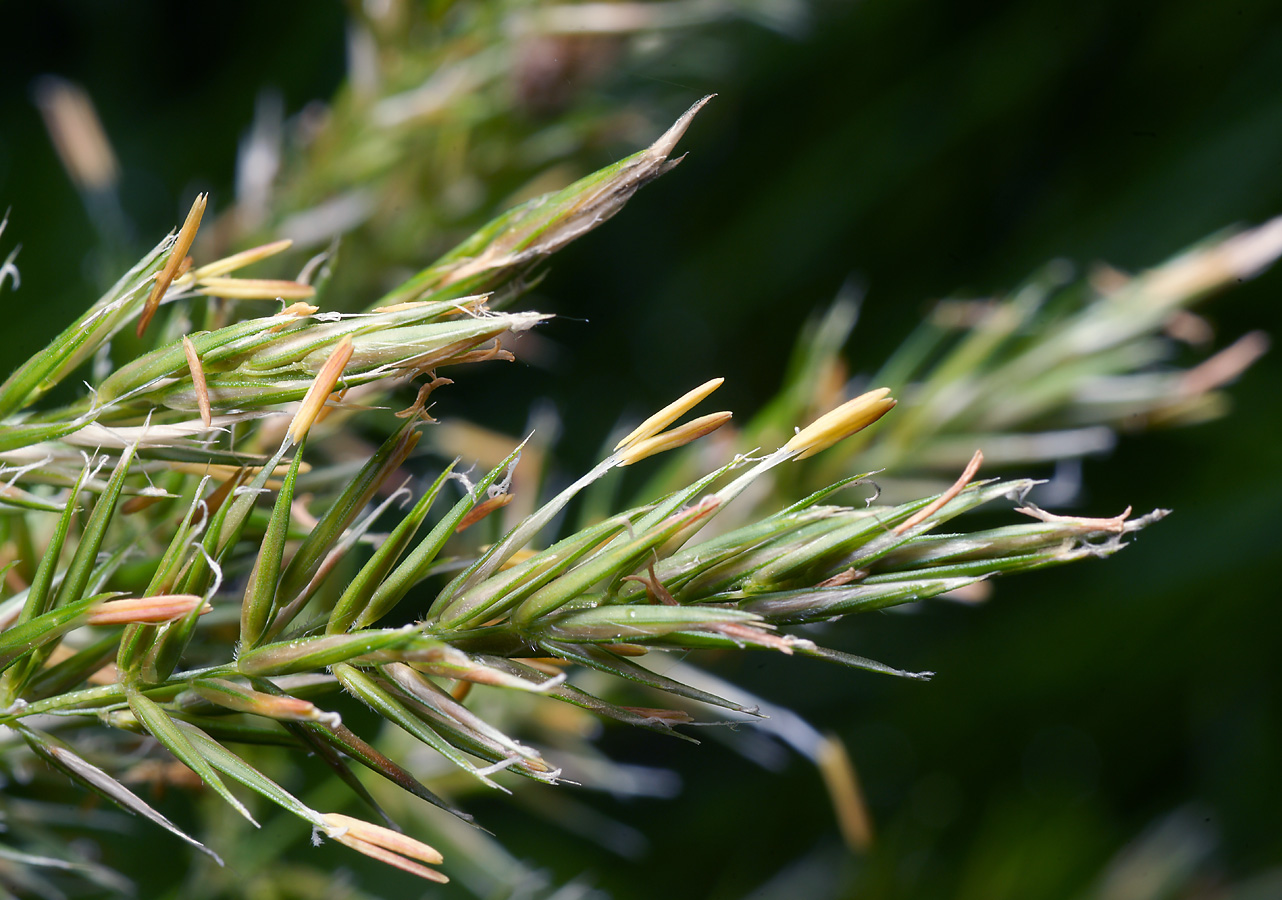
(190, 554)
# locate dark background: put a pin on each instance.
(929, 149)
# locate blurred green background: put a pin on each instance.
(924, 149)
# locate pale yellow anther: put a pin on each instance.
(299, 308)
(255, 289)
(296, 310)
(670, 440)
(331, 404)
(670, 413)
(182, 243)
(240, 260)
(383, 844)
(322, 387)
(221, 472)
(400, 307)
(852, 416)
(198, 381)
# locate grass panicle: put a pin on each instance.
(283, 568)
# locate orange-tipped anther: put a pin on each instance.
(177, 253)
(322, 387)
(198, 381)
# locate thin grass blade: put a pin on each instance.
(85, 773)
(413, 568)
(164, 729)
(369, 692)
(355, 600)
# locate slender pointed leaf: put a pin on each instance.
(606, 564)
(368, 691)
(345, 740)
(413, 568)
(233, 766)
(82, 563)
(582, 699)
(85, 773)
(344, 510)
(355, 600)
(167, 731)
(852, 661)
(312, 654)
(497, 594)
(603, 660)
